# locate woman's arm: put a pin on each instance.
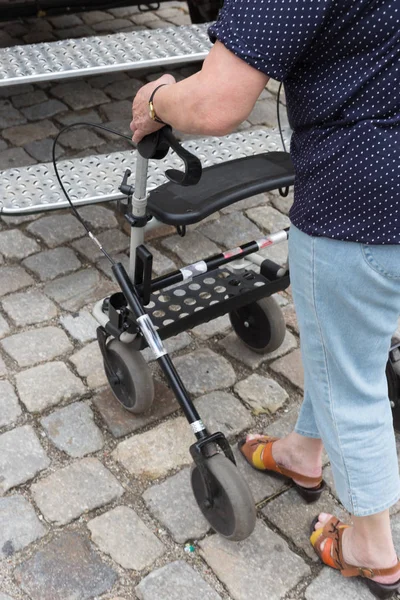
(212, 102)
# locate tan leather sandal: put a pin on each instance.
(258, 453)
(332, 555)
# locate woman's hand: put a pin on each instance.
(142, 124)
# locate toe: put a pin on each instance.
(253, 436)
(322, 519)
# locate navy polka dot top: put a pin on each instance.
(339, 61)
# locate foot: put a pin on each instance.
(356, 553)
(297, 453)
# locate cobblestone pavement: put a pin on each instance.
(96, 502)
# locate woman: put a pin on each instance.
(339, 60)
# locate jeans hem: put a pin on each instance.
(372, 511)
(304, 433)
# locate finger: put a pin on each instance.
(137, 136)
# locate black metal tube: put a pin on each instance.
(212, 263)
(180, 392)
(165, 362)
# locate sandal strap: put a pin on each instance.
(332, 532)
(270, 463)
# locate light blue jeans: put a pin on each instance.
(347, 299)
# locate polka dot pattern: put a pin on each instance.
(340, 61)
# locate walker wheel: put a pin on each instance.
(232, 511)
(134, 388)
(260, 325)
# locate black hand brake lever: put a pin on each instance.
(156, 145)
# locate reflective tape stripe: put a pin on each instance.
(274, 238)
(151, 336)
(193, 270)
(197, 426)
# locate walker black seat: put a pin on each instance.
(220, 186)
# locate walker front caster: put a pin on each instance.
(260, 325)
(129, 377)
(229, 507)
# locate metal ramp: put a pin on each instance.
(96, 178)
(136, 50)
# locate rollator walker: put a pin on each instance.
(147, 311)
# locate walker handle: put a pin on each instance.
(156, 146)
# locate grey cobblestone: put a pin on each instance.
(291, 367)
(56, 229)
(23, 134)
(232, 564)
(214, 327)
(42, 150)
(190, 248)
(74, 490)
(13, 279)
(80, 139)
(81, 326)
(231, 230)
(9, 115)
(258, 200)
(172, 502)
(261, 394)
(79, 95)
(115, 111)
(175, 581)
(98, 217)
(34, 97)
(19, 525)
(221, 411)
(89, 364)
(52, 263)
(15, 157)
(77, 116)
(10, 409)
(46, 385)
(44, 110)
(4, 327)
(66, 568)
(14, 244)
(31, 347)
(72, 292)
(75, 32)
(172, 344)
(293, 516)
(113, 241)
(172, 440)
(122, 90)
(62, 21)
(331, 585)
(203, 371)
(29, 307)
(283, 204)
(3, 368)
(121, 422)
(72, 429)
(21, 457)
(94, 16)
(236, 348)
(268, 218)
(161, 264)
(117, 532)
